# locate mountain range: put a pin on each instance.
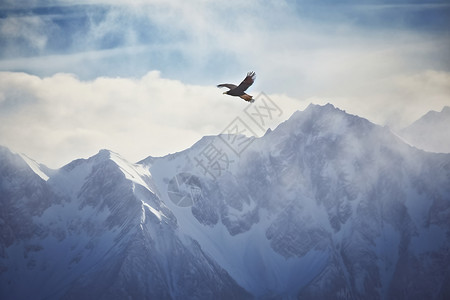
(326, 206)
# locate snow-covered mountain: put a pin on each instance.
(97, 230)
(430, 132)
(326, 206)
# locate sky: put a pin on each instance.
(140, 79)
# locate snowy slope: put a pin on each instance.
(323, 206)
(106, 236)
(40, 170)
(326, 206)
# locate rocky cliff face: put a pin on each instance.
(328, 205)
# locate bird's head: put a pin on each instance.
(225, 92)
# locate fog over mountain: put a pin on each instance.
(430, 132)
(326, 206)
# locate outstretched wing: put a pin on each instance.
(248, 81)
(228, 85)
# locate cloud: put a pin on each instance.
(23, 32)
(395, 100)
(318, 44)
(59, 118)
(358, 57)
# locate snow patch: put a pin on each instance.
(36, 167)
(157, 213)
(136, 173)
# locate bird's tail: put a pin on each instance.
(247, 98)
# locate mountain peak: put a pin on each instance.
(318, 107)
(434, 116)
(317, 111)
(315, 108)
(104, 153)
(323, 120)
(25, 162)
(430, 131)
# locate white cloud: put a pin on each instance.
(25, 30)
(59, 118)
(390, 76)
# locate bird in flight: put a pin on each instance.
(241, 88)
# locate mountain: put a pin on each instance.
(325, 206)
(96, 230)
(430, 132)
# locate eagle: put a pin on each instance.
(241, 88)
